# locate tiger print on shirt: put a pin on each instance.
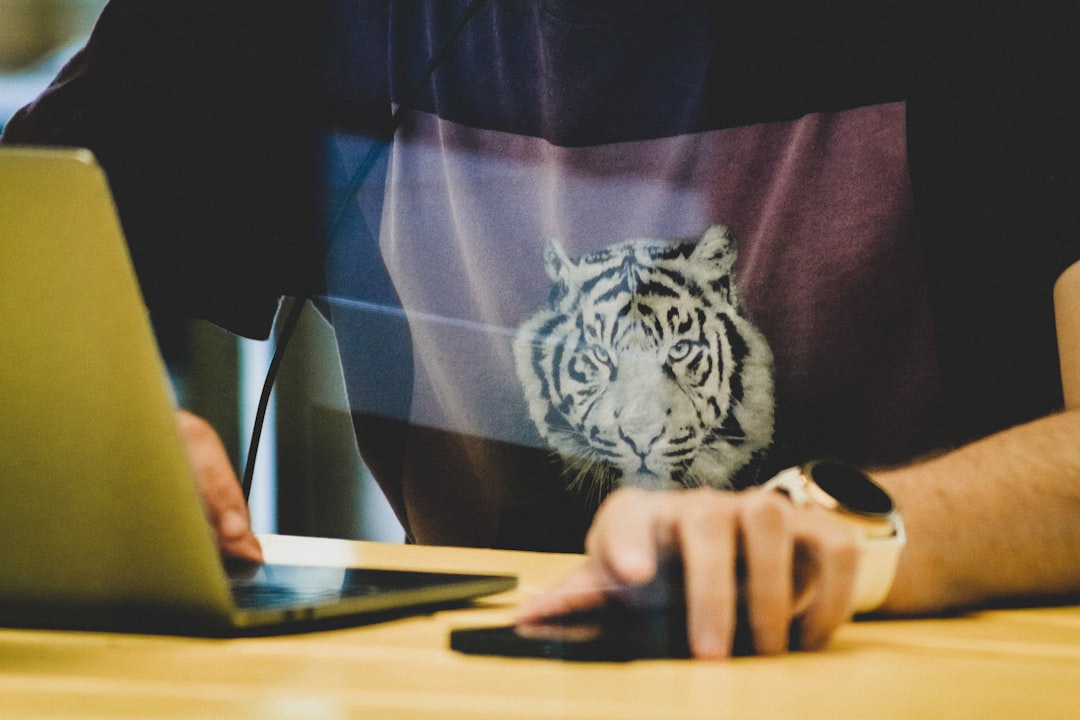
(639, 369)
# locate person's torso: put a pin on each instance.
(558, 252)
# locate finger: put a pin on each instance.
(768, 536)
(584, 588)
(236, 538)
(620, 553)
(624, 538)
(708, 536)
(222, 498)
(827, 557)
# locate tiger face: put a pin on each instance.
(639, 370)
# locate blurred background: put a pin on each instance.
(36, 37)
(310, 480)
(32, 29)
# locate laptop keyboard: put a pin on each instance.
(275, 586)
(266, 595)
(269, 586)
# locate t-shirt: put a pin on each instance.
(620, 242)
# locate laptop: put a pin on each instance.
(101, 526)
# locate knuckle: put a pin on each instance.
(707, 508)
(841, 547)
(768, 509)
(193, 428)
(621, 499)
(617, 506)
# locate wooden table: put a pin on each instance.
(1000, 664)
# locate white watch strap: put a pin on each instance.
(878, 556)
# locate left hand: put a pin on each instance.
(222, 498)
(798, 564)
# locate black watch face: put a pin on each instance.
(852, 488)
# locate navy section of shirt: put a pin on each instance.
(611, 72)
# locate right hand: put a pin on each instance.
(222, 497)
(798, 564)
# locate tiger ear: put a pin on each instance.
(717, 253)
(716, 249)
(557, 263)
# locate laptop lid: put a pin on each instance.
(100, 522)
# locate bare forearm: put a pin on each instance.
(997, 519)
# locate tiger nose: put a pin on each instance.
(640, 447)
(641, 436)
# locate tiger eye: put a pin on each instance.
(601, 354)
(680, 350)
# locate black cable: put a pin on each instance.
(288, 328)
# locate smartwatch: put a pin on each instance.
(864, 506)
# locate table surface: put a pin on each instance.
(995, 664)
